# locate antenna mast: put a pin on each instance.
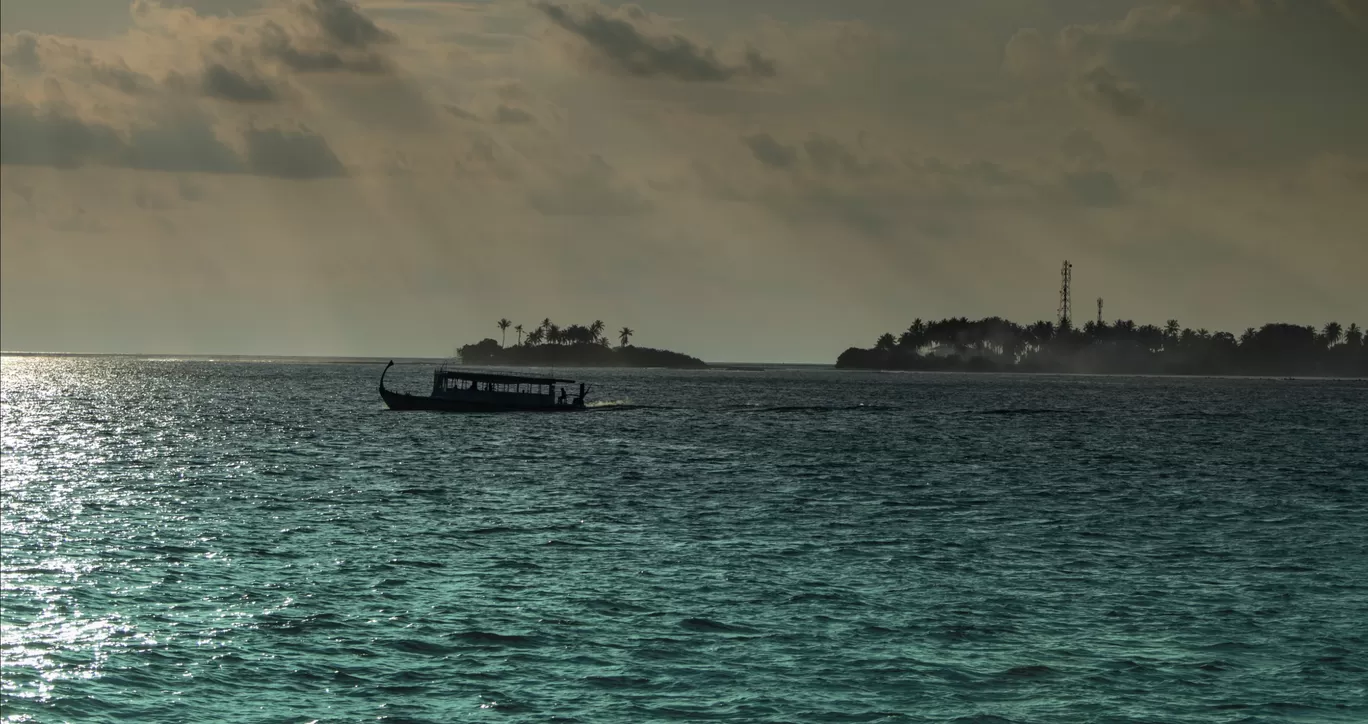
(1099, 311)
(1065, 298)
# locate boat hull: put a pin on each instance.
(401, 401)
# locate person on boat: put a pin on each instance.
(562, 396)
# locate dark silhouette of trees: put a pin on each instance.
(1122, 347)
(503, 331)
(575, 345)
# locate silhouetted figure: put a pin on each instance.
(562, 396)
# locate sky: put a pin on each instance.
(741, 180)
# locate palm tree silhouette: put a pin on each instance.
(519, 330)
(504, 324)
(596, 330)
(625, 334)
(1354, 336)
(1332, 334)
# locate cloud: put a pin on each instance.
(593, 190)
(21, 52)
(1102, 86)
(52, 137)
(290, 154)
(1094, 188)
(509, 114)
(221, 82)
(770, 152)
(1250, 82)
(1081, 145)
(829, 156)
(342, 24)
(629, 50)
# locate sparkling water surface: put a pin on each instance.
(197, 541)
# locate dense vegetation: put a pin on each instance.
(573, 346)
(996, 344)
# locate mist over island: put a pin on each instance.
(576, 345)
(1121, 347)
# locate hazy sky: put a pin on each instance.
(736, 179)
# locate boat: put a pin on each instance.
(455, 390)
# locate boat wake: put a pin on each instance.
(809, 408)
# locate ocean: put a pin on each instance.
(235, 541)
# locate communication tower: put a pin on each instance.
(1065, 300)
(1099, 311)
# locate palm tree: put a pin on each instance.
(519, 330)
(535, 337)
(596, 330)
(553, 334)
(1332, 334)
(625, 334)
(1171, 329)
(504, 324)
(1354, 336)
(886, 343)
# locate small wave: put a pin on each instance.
(811, 408)
(486, 637)
(617, 681)
(709, 625)
(1028, 672)
(415, 646)
(1033, 411)
(416, 564)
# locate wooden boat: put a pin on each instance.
(461, 391)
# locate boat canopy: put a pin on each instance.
(499, 379)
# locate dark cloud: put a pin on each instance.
(219, 81)
(21, 52)
(631, 51)
(119, 77)
(1103, 87)
(279, 44)
(594, 190)
(32, 53)
(511, 115)
(1240, 81)
(1094, 188)
(211, 8)
(770, 152)
(340, 39)
(30, 136)
(342, 24)
(1081, 145)
(300, 154)
(461, 113)
(829, 156)
(33, 137)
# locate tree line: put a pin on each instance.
(1122, 347)
(549, 332)
(582, 345)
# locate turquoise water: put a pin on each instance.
(193, 541)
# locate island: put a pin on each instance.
(995, 344)
(576, 345)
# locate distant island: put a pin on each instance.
(576, 345)
(998, 345)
